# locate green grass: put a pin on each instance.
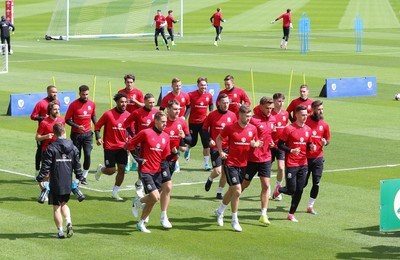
(364, 134)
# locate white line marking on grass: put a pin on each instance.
(202, 182)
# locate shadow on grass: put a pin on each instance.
(107, 228)
(373, 231)
(15, 236)
(375, 252)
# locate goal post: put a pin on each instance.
(3, 58)
(109, 18)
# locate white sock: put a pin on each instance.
(141, 222)
(85, 173)
(278, 183)
(164, 214)
(264, 211)
(115, 190)
(235, 216)
(220, 189)
(139, 182)
(206, 159)
(222, 208)
(68, 220)
(209, 178)
(311, 202)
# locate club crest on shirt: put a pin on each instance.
(321, 128)
(207, 99)
(229, 120)
(201, 103)
(243, 140)
(223, 125)
(179, 126)
(148, 121)
(283, 118)
(183, 100)
(307, 134)
(172, 133)
(89, 107)
(119, 125)
(158, 146)
(314, 133)
(250, 133)
(163, 140)
(301, 139)
(235, 95)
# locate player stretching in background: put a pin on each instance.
(287, 25)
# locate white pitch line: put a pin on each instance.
(194, 183)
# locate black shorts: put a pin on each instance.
(234, 175)
(216, 158)
(262, 168)
(112, 157)
(277, 154)
(82, 139)
(151, 182)
(316, 166)
(195, 131)
(57, 200)
(167, 173)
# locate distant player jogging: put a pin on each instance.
(287, 25)
(216, 20)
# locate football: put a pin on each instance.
(397, 96)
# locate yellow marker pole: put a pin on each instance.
(252, 87)
(94, 88)
(290, 86)
(109, 90)
(304, 78)
(54, 81)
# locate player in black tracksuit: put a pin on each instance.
(59, 160)
(5, 32)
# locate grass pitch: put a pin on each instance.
(363, 151)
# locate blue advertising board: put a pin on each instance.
(213, 88)
(23, 104)
(349, 87)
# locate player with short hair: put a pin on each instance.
(237, 96)
(200, 101)
(320, 137)
(177, 94)
(282, 119)
(154, 149)
(39, 113)
(259, 159)
(241, 137)
(295, 141)
(113, 141)
(214, 123)
(135, 95)
(286, 25)
(59, 160)
(79, 116)
(160, 21)
(302, 100)
(170, 26)
(139, 120)
(216, 20)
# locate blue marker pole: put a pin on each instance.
(304, 28)
(358, 31)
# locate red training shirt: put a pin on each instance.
(297, 102)
(282, 119)
(172, 130)
(40, 108)
(236, 96)
(133, 94)
(199, 104)
(215, 122)
(81, 114)
(159, 19)
(140, 119)
(114, 133)
(182, 98)
(295, 136)
(287, 18)
(320, 129)
(170, 21)
(217, 18)
(46, 127)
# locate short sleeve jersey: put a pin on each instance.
(239, 139)
(133, 94)
(236, 96)
(320, 129)
(114, 133)
(81, 114)
(199, 104)
(297, 102)
(265, 126)
(140, 119)
(281, 120)
(46, 127)
(215, 122)
(154, 147)
(182, 98)
(295, 136)
(159, 19)
(172, 130)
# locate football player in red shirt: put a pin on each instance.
(295, 141)
(154, 150)
(45, 133)
(215, 122)
(287, 25)
(177, 94)
(259, 159)
(200, 102)
(170, 26)
(38, 114)
(160, 21)
(216, 20)
(282, 119)
(241, 137)
(135, 96)
(237, 96)
(302, 100)
(113, 141)
(79, 116)
(320, 137)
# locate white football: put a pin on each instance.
(397, 96)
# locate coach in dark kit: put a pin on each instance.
(59, 160)
(5, 32)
